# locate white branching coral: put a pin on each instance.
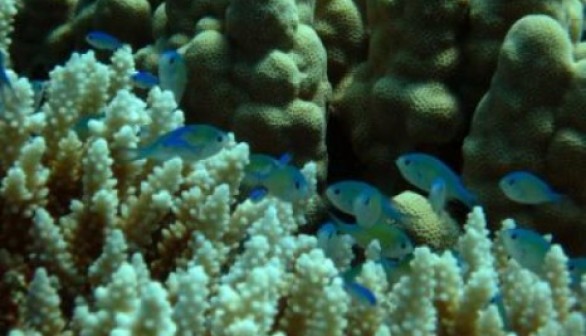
(7, 13)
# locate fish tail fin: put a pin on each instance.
(558, 198)
(257, 194)
(360, 292)
(467, 197)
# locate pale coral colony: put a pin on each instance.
(167, 166)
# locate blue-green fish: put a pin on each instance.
(39, 87)
(438, 195)
(360, 293)
(5, 85)
(81, 127)
(394, 242)
(173, 73)
(577, 268)
(102, 41)
(527, 247)
(190, 142)
(286, 183)
(344, 193)
(363, 201)
(396, 269)
(371, 206)
(261, 165)
(526, 188)
(324, 234)
(497, 300)
(422, 170)
(144, 80)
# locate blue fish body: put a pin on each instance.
(4, 80)
(190, 142)
(102, 41)
(577, 268)
(526, 188)
(394, 242)
(527, 247)
(438, 195)
(371, 207)
(5, 85)
(81, 127)
(144, 80)
(497, 300)
(260, 166)
(343, 194)
(360, 293)
(421, 170)
(39, 87)
(287, 183)
(396, 268)
(173, 73)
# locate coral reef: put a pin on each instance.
(533, 125)
(413, 53)
(257, 68)
(92, 243)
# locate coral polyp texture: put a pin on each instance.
(257, 68)
(535, 125)
(94, 241)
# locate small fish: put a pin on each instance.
(422, 170)
(394, 242)
(324, 234)
(173, 73)
(360, 292)
(39, 87)
(527, 247)
(344, 193)
(462, 264)
(261, 165)
(396, 269)
(497, 300)
(102, 41)
(371, 207)
(144, 80)
(577, 268)
(5, 85)
(190, 142)
(526, 188)
(438, 195)
(286, 183)
(81, 127)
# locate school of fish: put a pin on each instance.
(375, 217)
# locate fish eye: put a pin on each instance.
(220, 138)
(297, 185)
(571, 267)
(403, 246)
(407, 162)
(336, 191)
(511, 181)
(514, 236)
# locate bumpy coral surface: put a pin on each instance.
(535, 125)
(257, 68)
